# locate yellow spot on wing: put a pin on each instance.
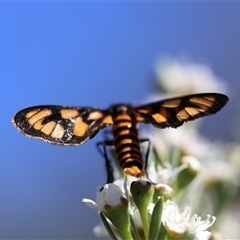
(192, 111)
(139, 118)
(38, 116)
(182, 115)
(171, 103)
(145, 110)
(159, 117)
(69, 113)
(38, 125)
(108, 120)
(95, 115)
(202, 101)
(29, 114)
(80, 127)
(58, 131)
(211, 98)
(48, 128)
(202, 108)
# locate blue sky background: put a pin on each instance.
(92, 54)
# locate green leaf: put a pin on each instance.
(108, 227)
(142, 193)
(155, 224)
(162, 233)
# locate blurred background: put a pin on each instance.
(94, 54)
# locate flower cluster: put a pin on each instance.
(185, 171)
(145, 214)
(182, 77)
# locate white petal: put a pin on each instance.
(204, 235)
(110, 195)
(179, 223)
(192, 162)
(90, 203)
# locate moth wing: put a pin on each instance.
(61, 125)
(173, 112)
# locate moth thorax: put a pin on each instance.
(121, 109)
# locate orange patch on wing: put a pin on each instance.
(67, 113)
(139, 118)
(192, 111)
(108, 120)
(38, 125)
(182, 115)
(95, 115)
(48, 128)
(202, 101)
(58, 131)
(145, 110)
(40, 115)
(159, 118)
(29, 114)
(172, 103)
(80, 127)
(211, 98)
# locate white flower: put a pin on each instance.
(177, 223)
(181, 77)
(186, 138)
(165, 189)
(219, 161)
(108, 195)
(191, 162)
(165, 175)
(113, 206)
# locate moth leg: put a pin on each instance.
(147, 153)
(107, 134)
(155, 154)
(101, 146)
(156, 158)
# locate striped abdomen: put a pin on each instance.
(127, 147)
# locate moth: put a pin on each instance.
(75, 125)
